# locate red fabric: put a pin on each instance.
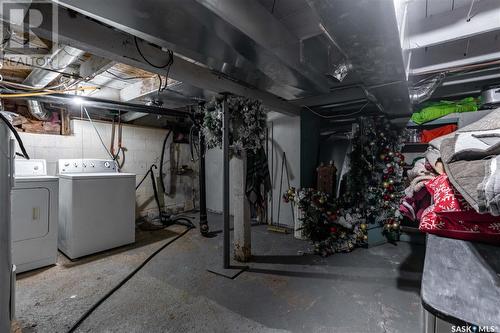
(451, 216)
(429, 135)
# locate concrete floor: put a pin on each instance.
(368, 290)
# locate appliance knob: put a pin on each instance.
(66, 164)
(92, 164)
(107, 165)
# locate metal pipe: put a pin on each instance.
(225, 188)
(98, 103)
(202, 185)
(37, 110)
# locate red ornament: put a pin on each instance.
(333, 230)
(390, 170)
(387, 197)
(390, 188)
(387, 159)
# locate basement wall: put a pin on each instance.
(286, 139)
(143, 146)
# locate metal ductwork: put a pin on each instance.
(37, 110)
(424, 92)
(367, 33)
(59, 61)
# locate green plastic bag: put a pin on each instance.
(435, 110)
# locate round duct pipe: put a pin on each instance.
(424, 92)
(37, 110)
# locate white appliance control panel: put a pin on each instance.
(28, 168)
(86, 166)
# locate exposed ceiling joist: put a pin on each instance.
(87, 34)
(460, 23)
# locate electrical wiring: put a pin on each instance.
(24, 87)
(16, 135)
(97, 132)
(337, 115)
(125, 280)
(43, 93)
(169, 62)
(127, 78)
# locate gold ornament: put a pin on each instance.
(363, 226)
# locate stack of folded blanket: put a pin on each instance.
(461, 174)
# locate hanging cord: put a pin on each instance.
(98, 134)
(169, 62)
(16, 135)
(121, 283)
(120, 149)
(284, 168)
(162, 159)
(337, 115)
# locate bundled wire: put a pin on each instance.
(169, 62)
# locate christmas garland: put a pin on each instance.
(247, 123)
(372, 191)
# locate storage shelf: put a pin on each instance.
(433, 123)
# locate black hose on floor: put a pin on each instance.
(119, 285)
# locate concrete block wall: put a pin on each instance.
(143, 147)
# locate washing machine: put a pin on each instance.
(96, 207)
(34, 214)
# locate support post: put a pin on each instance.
(202, 185)
(225, 188)
(241, 210)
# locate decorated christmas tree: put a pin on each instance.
(372, 191)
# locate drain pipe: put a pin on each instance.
(424, 92)
(60, 60)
